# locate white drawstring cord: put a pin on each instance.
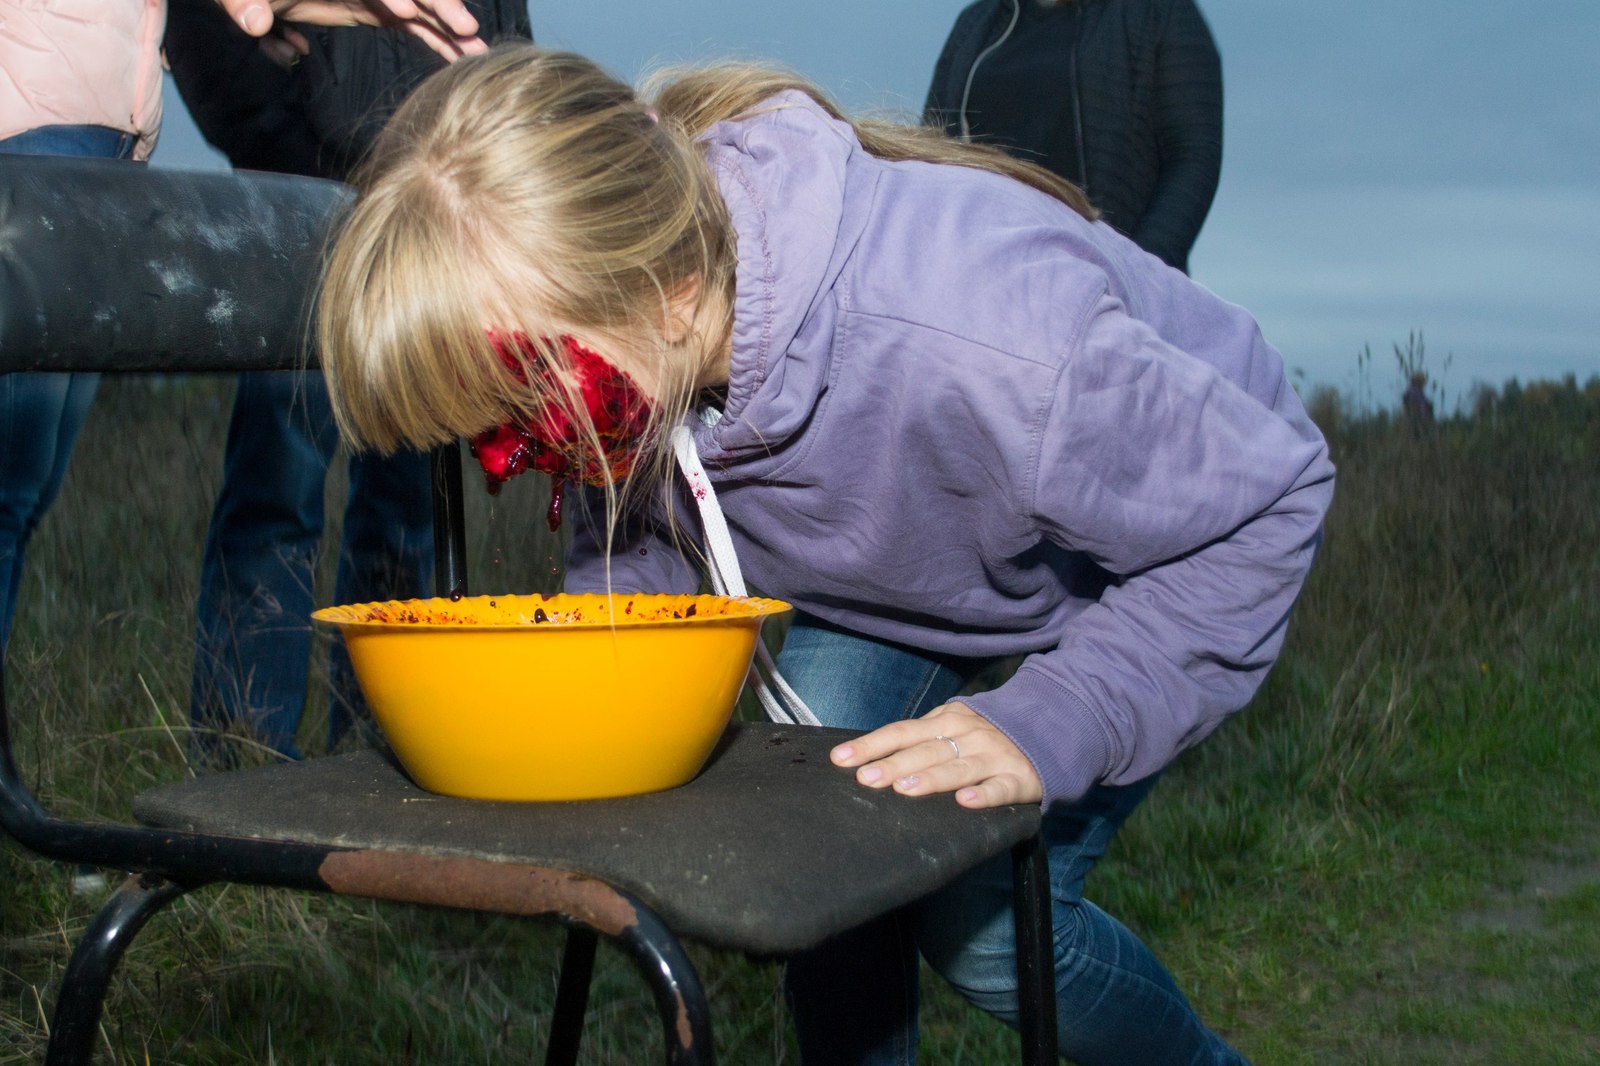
(781, 702)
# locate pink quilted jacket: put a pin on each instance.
(82, 62)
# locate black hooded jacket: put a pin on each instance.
(1123, 97)
(320, 116)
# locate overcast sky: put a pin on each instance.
(1390, 165)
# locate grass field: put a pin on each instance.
(1392, 856)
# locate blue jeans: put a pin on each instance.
(854, 999)
(253, 638)
(40, 414)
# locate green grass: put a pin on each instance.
(1393, 855)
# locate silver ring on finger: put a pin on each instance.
(954, 747)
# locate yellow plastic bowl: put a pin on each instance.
(552, 698)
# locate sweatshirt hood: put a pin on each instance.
(783, 174)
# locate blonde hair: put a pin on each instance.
(528, 190)
(700, 98)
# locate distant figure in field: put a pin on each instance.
(1415, 402)
(1121, 97)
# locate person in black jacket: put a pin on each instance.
(310, 102)
(1122, 97)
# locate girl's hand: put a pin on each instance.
(446, 26)
(949, 749)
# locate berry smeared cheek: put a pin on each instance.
(549, 441)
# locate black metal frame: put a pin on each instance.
(165, 864)
(169, 864)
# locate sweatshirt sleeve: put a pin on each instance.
(1188, 117)
(1208, 505)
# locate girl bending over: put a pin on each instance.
(946, 414)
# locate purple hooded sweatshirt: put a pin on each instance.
(962, 418)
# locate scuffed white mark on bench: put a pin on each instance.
(177, 278)
(221, 312)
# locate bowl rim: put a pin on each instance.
(758, 608)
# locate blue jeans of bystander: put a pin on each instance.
(40, 414)
(855, 999)
(253, 639)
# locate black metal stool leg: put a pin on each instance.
(83, 989)
(572, 997)
(680, 998)
(1036, 971)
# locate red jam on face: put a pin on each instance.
(550, 441)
